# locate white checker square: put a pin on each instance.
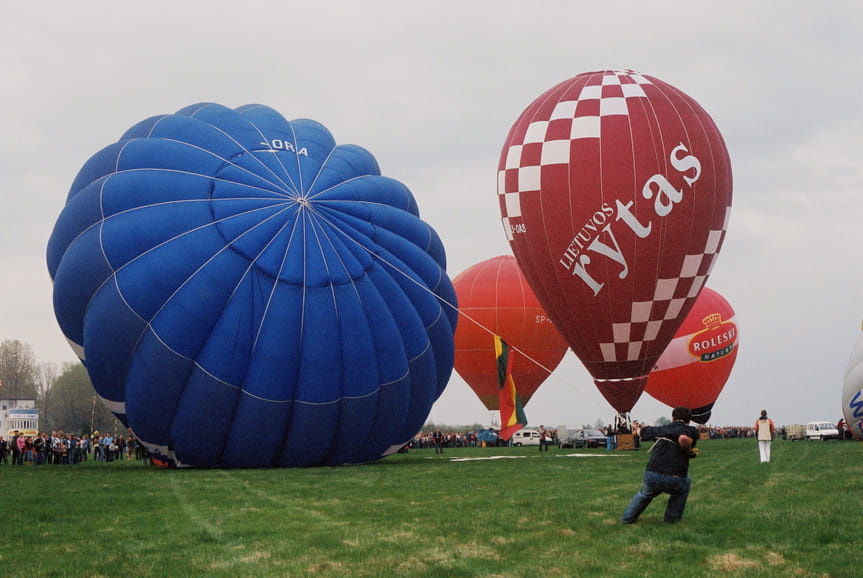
(710, 267)
(555, 152)
(563, 109)
(697, 282)
(529, 178)
(712, 242)
(608, 351)
(639, 79)
(633, 351)
(513, 157)
(585, 127)
(641, 311)
(507, 229)
(593, 92)
(633, 91)
(610, 80)
(621, 332)
(691, 263)
(513, 204)
(652, 330)
(613, 106)
(501, 182)
(536, 131)
(727, 218)
(665, 289)
(674, 308)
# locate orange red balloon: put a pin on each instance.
(494, 297)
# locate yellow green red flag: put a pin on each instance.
(512, 416)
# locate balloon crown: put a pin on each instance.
(712, 321)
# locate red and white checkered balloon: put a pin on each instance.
(615, 192)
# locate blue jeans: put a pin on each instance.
(655, 484)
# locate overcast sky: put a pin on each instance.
(431, 88)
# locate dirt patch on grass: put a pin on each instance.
(731, 562)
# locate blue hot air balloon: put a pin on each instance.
(246, 293)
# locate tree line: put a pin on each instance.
(64, 395)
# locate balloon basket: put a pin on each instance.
(625, 442)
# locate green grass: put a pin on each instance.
(418, 514)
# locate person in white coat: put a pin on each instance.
(764, 432)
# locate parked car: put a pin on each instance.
(581, 438)
(821, 430)
(525, 437)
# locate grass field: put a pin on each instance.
(461, 514)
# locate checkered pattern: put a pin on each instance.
(547, 142)
(669, 296)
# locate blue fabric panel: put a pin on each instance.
(80, 213)
(143, 128)
(366, 192)
(228, 350)
(262, 178)
(98, 166)
(256, 434)
(196, 133)
(359, 371)
(185, 321)
(351, 433)
(154, 382)
(320, 364)
(152, 188)
(80, 274)
(275, 359)
(344, 160)
(152, 278)
(231, 122)
(309, 437)
(169, 155)
(111, 333)
(199, 435)
(392, 405)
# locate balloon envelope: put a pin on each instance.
(852, 390)
(695, 366)
(615, 190)
(494, 297)
(245, 293)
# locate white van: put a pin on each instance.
(525, 437)
(821, 430)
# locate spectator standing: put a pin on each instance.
(544, 438)
(437, 438)
(13, 445)
(764, 432)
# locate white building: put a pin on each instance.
(18, 414)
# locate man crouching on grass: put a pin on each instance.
(667, 467)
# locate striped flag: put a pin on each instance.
(512, 416)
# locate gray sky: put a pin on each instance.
(431, 89)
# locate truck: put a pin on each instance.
(821, 430)
(795, 432)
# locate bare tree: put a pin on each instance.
(48, 374)
(18, 370)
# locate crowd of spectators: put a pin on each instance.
(61, 448)
(425, 440)
(450, 440)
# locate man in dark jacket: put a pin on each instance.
(667, 468)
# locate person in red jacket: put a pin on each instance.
(764, 432)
